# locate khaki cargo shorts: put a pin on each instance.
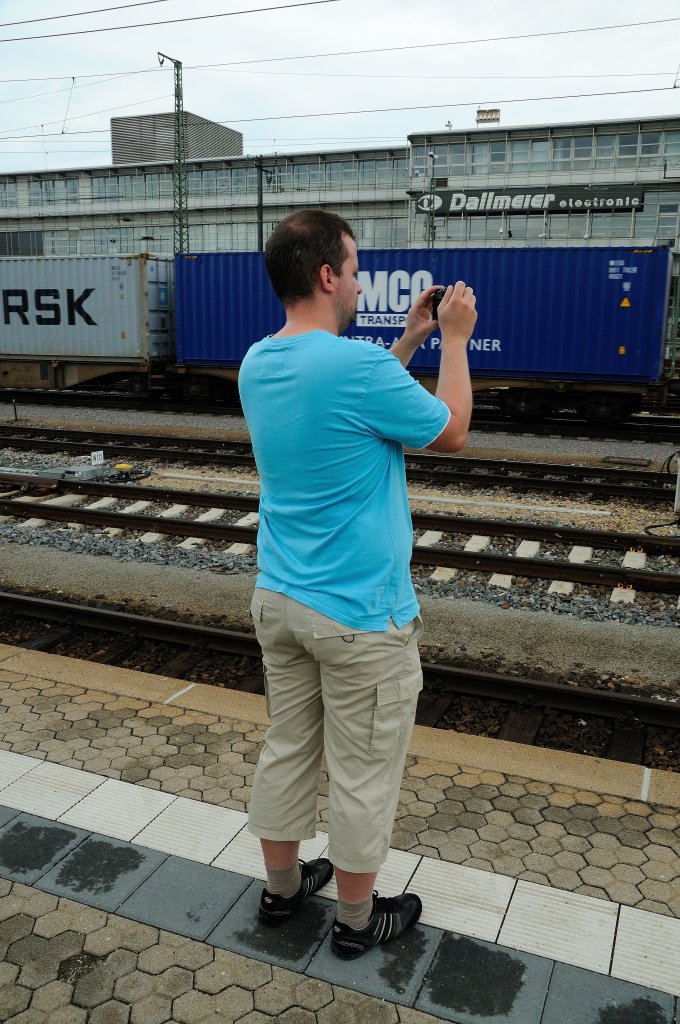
(349, 694)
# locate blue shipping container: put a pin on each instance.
(558, 313)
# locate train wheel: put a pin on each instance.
(605, 408)
(526, 405)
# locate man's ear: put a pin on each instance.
(326, 278)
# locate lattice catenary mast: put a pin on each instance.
(180, 211)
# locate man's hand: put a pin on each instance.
(419, 324)
(457, 313)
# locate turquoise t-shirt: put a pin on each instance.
(328, 417)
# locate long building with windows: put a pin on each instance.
(586, 184)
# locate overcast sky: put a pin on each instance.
(49, 121)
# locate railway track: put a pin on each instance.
(516, 708)
(437, 546)
(652, 426)
(553, 477)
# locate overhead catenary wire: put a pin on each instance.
(445, 106)
(340, 113)
(326, 74)
(454, 42)
(79, 14)
(169, 21)
(347, 53)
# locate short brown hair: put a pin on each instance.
(299, 246)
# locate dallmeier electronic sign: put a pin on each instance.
(523, 200)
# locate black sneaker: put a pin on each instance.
(275, 910)
(391, 916)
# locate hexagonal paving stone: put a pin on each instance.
(40, 959)
(229, 969)
(96, 985)
(224, 1008)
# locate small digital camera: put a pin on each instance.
(436, 299)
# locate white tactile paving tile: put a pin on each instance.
(463, 900)
(13, 766)
(191, 829)
(567, 927)
(49, 790)
(647, 950)
(564, 926)
(117, 809)
(244, 854)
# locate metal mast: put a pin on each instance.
(431, 226)
(180, 211)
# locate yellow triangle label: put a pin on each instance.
(625, 302)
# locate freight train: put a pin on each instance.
(591, 331)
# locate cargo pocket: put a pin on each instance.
(394, 711)
(267, 698)
(256, 606)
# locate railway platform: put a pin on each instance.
(128, 882)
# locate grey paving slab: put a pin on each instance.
(30, 846)
(576, 996)
(476, 982)
(393, 972)
(292, 946)
(7, 813)
(184, 897)
(101, 872)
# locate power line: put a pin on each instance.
(340, 113)
(79, 117)
(455, 42)
(169, 21)
(433, 78)
(55, 92)
(322, 74)
(444, 106)
(78, 14)
(350, 53)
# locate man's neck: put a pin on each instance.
(303, 318)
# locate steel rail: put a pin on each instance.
(450, 475)
(445, 678)
(224, 445)
(421, 520)
(595, 575)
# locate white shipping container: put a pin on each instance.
(87, 307)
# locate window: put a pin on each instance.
(650, 146)
(457, 158)
(480, 157)
(52, 190)
(562, 154)
(8, 193)
(333, 174)
(497, 156)
(540, 154)
(105, 187)
(519, 155)
(604, 152)
(367, 172)
(583, 152)
(349, 173)
(628, 150)
(672, 147)
(61, 243)
(399, 171)
(601, 225)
